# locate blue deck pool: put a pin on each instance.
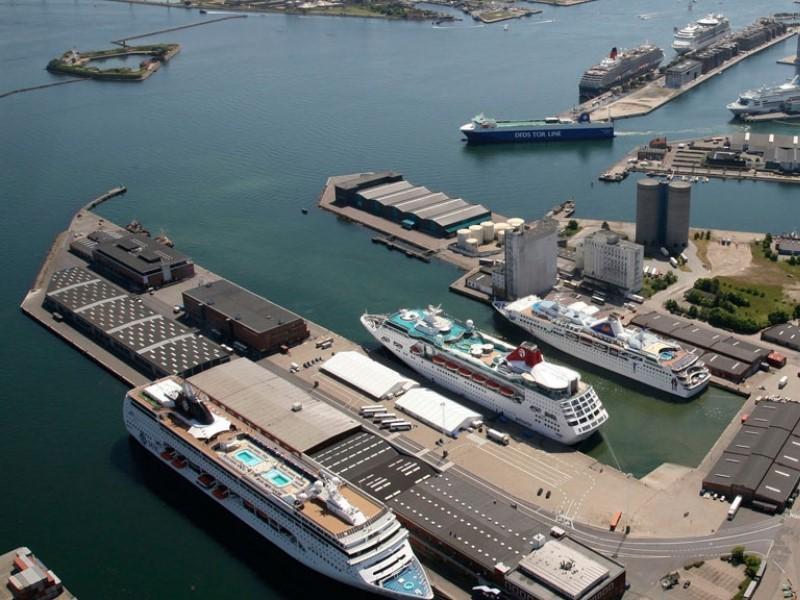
(277, 478)
(411, 580)
(247, 458)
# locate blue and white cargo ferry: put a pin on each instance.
(483, 130)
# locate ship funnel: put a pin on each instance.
(527, 353)
(191, 406)
(616, 326)
(613, 54)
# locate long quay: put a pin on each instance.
(124, 41)
(655, 94)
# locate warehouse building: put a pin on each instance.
(135, 261)
(726, 356)
(243, 319)
(436, 410)
(154, 344)
(367, 375)
(686, 71)
(389, 196)
(274, 406)
(564, 569)
(778, 152)
(786, 334)
(762, 463)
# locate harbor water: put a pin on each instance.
(222, 148)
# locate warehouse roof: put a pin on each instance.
(785, 335)
(548, 564)
(752, 472)
(254, 312)
(385, 189)
(744, 441)
(778, 414)
(725, 471)
(740, 349)
(778, 484)
(140, 253)
(420, 202)
(439, 412)
(789, 455)
(267, 400)
(697, 335)
(771, 442)
(366, 374)
(160, 341)
(405, 196)
(724, 364)
(658, 322)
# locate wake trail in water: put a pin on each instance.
(700, 130)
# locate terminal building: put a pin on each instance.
(27, 578)
(239, 317)
(605, 258)
(775, 152)
(389, 196)
(530, 265)
(762, 463)
(725, 356)
(662, 214)
(154, 344)
(682, 73)
(135, 261)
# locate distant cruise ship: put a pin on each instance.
(779, 98)
(701, 34)
(637, 354)
(515, 382)
(306, 512)
(618, 68)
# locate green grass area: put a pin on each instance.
(736, 303)
(571, 229)
(653, 285)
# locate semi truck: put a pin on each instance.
(498, 436)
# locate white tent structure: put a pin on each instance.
(367, 375)
(437, 411)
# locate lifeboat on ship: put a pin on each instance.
(221, 492)
(438, 360)
(206, 480)
(179, 462)
(465, 372)
(451, 366)
(416, 350)
(168, 453)
(492, 385)
(507, 392)
(478, 378)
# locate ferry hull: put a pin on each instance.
(543, 330)
(494, 136)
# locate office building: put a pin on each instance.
(604, 257)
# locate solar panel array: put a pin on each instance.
(162, 342)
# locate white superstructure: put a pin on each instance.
(638, 354)
(701, 34)
(306, 512)
(515, 382)
(778, 98)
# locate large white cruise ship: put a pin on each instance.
(778, 98)
(515, 382)
(638, 354)
(701, 34)
(306, 512)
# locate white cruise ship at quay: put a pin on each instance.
(784, 97)
(701, 34)
(515, 382)
(306, 512)
(633, 353)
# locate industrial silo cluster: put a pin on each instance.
(471, 238)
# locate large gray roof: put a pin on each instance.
(785, 334)
(752, 472)
(789, 455)
(740, 349)
(254, 312)
(160, 341)
(266, 400)
(725, 364)
(724, 473)
(744, 441)
(771, 442)
(139, 253)
(778, 484)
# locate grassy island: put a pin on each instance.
(80, 64)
